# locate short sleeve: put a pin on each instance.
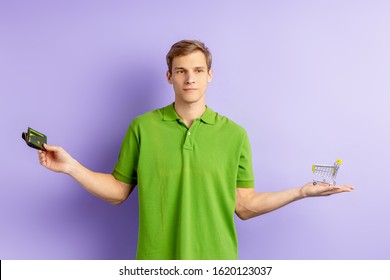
(125, 169)
(245, 176)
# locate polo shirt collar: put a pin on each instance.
(208, 116)
(169, 114)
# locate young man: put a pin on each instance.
(192, 166)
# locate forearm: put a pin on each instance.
(250, 204)
(104, 186)
(258, 203)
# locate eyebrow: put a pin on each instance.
(196, 68)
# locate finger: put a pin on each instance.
(329, 187)
(337, 190)
(324, 187)
(322, 184)
(51, 148)
(340, 189)
(40, 154)
(346, 187)
(42, 157)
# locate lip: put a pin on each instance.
(190, 89)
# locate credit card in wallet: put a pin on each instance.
(34, 139)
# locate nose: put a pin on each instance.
(189, 79)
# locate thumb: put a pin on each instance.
(51, 148)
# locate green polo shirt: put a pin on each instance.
(187, 180)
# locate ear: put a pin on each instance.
(169, 77)
(210, 76)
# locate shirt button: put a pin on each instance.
(189, 133)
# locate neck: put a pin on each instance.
(189, 112)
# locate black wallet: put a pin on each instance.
(34, 139)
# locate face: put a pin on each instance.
(190, 77)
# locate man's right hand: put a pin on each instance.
(55, 158)
(104, 186)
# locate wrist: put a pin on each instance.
(301, 192)
(73, 168)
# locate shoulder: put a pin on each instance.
(147, 118)
(228, 124)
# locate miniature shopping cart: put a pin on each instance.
(326, 172)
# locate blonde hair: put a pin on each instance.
(185, 47)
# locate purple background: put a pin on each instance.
(309, 80)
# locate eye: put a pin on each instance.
(179, 71)
(199, 71)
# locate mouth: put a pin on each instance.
(190, 89)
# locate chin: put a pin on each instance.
(191, 99)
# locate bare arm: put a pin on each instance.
(102, 185)
(250, 204)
